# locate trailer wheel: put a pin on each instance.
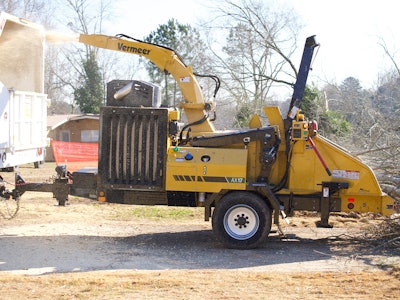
(241, 220)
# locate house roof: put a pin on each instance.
(55, 121)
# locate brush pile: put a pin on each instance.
(383, 237)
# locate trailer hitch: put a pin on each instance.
(60, 186)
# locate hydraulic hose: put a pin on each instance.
(181, 141)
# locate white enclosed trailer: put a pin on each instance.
(23, 104)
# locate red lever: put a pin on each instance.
(319, 156)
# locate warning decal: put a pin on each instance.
(346, 174)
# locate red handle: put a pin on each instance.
(319, 156)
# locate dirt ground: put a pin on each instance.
(88, 250)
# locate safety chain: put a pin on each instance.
(8, 206)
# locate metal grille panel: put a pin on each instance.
(133, 147)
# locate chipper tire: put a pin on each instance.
(241, 220)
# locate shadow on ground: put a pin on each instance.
(168, 250)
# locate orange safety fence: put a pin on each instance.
(75, 155)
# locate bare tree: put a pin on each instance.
(384, 134)
(386, 131)
(390, 55)
(88, 17)
(40, 11)
(79, 61)
(260, 40)
(375, 126)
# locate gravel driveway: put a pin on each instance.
(85, 236)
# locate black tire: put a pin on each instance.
(38, 164)
(241, 220)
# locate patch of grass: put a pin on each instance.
(160, 212)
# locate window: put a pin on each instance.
(89, 136)
(65, 136)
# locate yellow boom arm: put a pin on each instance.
(166, 60)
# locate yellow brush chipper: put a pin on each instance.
(245, 179)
